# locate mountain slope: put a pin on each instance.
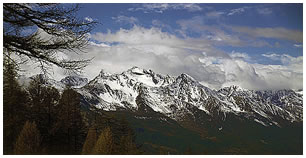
(172, 114)
(174, 97)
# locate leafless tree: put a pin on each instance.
(38, 32)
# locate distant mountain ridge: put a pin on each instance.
(176, 97)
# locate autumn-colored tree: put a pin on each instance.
(15, 101)
(43, 101)
(105, 143)
(28, 142)
(90, 141)
(69, 123)
(43, 98)
(42, 106)
(128, 146)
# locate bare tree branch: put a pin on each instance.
(56, 28)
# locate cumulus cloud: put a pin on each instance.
(295, 63)
(165, 53)
(236, 71)
(161, 7)
(280, 77)
(276, 33)
(140, 36)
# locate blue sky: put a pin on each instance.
(287, 16)
(255, 46)
(252, 45)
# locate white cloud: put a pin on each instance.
(161, 7)
(253, 76)
(238, 55)
(259, 9)
(190, 7)
(264, 11)
(165, 53)
(280, 76)
(294, 63)
(272, 56)
(237, 11)
(214, 14)
(153, 36)
(88, 19)
(168, 54)
(125, 19)
(298, 45)
(284, 58)
(98, 45)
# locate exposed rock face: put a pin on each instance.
(139, 89)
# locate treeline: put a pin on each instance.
(41, 120)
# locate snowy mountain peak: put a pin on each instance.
(103, 73)
(136, 70)
(173, 96)
(235, 88)
(299, 91)
(139, 71)
(176, 97)
(186, 78)
(74, 81)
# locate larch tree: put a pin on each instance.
(69, 124)
(38, 32)
(29, 139)
(90, 142)
(105, 143)
(43, 101)
(15, 103)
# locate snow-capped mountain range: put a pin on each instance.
(175, 97)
